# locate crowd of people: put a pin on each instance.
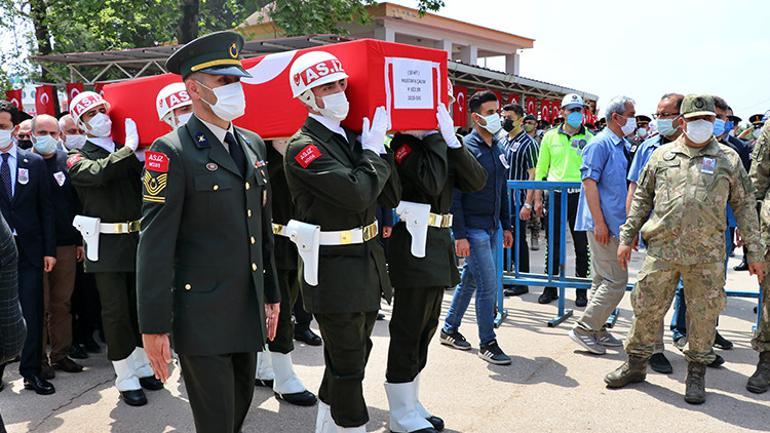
(219, 248)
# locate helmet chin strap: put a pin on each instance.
(308, 98)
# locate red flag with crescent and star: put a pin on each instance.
(460, 107)
(45, 102)
(14, 97)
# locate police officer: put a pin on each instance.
(106, 177)
(686, 185)
(205, 255)
(336, 183)
(430, 165)
(275, 367)
(759, 382)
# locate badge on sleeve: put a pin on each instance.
(154, 187)
(307, 155)
(72, 160)
(402, 153)
(23, 176)
(708, 165)
(60, 177)
(156, 161)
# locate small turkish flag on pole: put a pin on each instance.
(14, 97)
(45, 102)
(72, 90)
(460, 107)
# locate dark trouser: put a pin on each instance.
(117, 291)
(220, 389)
(415, 319)
(86, 307)
(31, 300)
(284, 337)
(347, 345)
(58, 286)
(579, 239)
(302, 318)
(523, 247)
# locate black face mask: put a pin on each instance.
(508, 125)
(24, 144)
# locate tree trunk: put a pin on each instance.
(42, 34)
(188, 24)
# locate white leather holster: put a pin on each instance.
(89, 228)
(415, 216)
(307, 237)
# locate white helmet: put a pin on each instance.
(572, 100)
(83, 102)
(313, 69)
(170, 98)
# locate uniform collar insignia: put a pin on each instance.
(200, 140)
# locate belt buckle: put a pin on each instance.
(370, 232)
(120, 228)
(447, 221)
(434, 220)
(346, 237)
(277, 229)
(134, 226)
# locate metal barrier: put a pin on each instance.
(512, 276)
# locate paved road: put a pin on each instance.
(551, 387)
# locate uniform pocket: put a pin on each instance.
(195, 279)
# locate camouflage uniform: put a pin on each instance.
(687, 191)
(760, 177)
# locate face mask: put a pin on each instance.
(231, 101)
(575, 119)
(729, 125)
(699, 131)
(629, 127)
(756, 133)
(100, 125)
(641, 132)
(719, 127)
(508, 125)
(494, 124)
(665, 127)
(74, 141)
(5, 138)
(182, 119)
(45, 145)
(24, 144)
(529, 128)
(336, 106)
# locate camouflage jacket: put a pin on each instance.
(760, 178)
(681, 201)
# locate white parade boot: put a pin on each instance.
(141, 363)
(404, 417)
(324, 422)
(359, 429)
(127, 379)
(265, 373)
(287, 385)
(437, 422)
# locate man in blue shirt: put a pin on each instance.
(601, 211)
(477, 217)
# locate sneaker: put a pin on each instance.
(587, 340)
(606, 339)
(493, 354)
(680, 343)
(455, 339)
(722, 343)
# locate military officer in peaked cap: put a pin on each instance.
(205, 261)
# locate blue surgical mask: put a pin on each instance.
(719, 127)
(575, 119)
(494, 124)
(665, 127)
(45, 144)
(729, 125)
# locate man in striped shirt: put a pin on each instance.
(520, 151)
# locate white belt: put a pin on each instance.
(120, 228)
(342, 237)
(438, 221)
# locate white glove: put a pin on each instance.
(373, 138)
(447, 127)
(132, 136)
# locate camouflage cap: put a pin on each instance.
(216, 54)
(698, 105)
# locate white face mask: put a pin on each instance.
(756, 132)
(641, 132)
(699, 131)
(494, 123)
(231, 101)
(182, 119)
(45, 144)
(5, 138)
(100, 125)
(629, 127)
(336, 106)
(665, 127)
(75, 141)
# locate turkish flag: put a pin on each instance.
(72, 90)
(499, 97)
(513, 99)
(531, 105)
(45, 100)
(545, 110)
(555, 109)
(99, 88)
(14, 97)
(460, 107)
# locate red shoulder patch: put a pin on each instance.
(307, 155)
(72, 160)
(156, 161)
(402, 153)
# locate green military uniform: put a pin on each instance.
(336, 185)
(109, 187)
(687, 190)
(429, 172)
(760, 177)
(205, 266)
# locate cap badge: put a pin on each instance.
(234, 50)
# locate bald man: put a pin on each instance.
(23, 134)
(58, 284)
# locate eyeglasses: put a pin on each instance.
(665, 115)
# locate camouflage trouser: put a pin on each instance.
(704, 292)
(761, 342)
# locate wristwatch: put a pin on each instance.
(527, 205)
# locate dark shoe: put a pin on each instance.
(549, 295)
(2, 385)
(660, 364)
(68, 365)
(78, 352)
(632, 371)
(493, 354)
(91, 346)
(304, 398)
(436, 422)
(742, 267)
(380, 316)
(695, 385)
(264, 383)
(759, 382)
(516, 290)
(722, 343)
(134, 397)
(39, 385)
(46, 371)
(455, 339)
(718, 361)
(151, 383)
(581, 299)
(308, 337)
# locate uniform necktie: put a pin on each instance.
(5, 175)
(236, 152)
